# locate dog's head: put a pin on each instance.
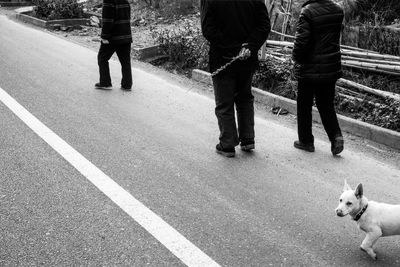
(350, 200)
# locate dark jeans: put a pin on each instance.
(324, 93)
(232, 86)
(124, 55)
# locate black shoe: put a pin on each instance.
(304, 146)
(337, 145)
(103, 86)
(227, 152)
(247, 145)
(126, 88)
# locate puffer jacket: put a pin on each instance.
(316, 50)
(116, 21)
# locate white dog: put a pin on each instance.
(374, 218)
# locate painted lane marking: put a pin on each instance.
(182, 248)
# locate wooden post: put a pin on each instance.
(270, 4)
(286, 17)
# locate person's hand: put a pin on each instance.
(104, 41)
(244, 53)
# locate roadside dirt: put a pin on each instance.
(90, 36)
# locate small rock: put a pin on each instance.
(55, 27)
(94, 21)
(76, 27)
(66, 28)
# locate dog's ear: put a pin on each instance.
(359, 191)
(346, 186)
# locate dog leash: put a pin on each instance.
(215, 73)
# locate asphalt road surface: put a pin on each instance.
(106, 178)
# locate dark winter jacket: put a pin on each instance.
(116, 21)
(316, 50)
(229, 25)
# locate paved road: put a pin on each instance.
(273, 207)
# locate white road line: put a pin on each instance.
(182, 248)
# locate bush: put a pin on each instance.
(378, 11)
(171, 8)
(184, 45)
(386, 115)
(57, 9)
(384, 39)
(276, 76)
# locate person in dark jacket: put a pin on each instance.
(116, 37)
(234, 28)
(317, 58)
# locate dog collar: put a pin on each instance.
(358, 215)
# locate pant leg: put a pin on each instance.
(124, 56)
(244, 100)
(325, 95)
(105, 53)
(305, 99)
(224, 86)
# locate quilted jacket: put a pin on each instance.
(316, 50)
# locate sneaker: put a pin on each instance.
(126, 88)
(227, 152)
(337, 145)
(102, 86)
(247, 145)
(304, 146)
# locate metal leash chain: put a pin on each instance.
(218, 70)
(225, 66)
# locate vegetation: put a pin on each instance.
(377, 12)
(184, 45)
(170, 7)
(182, 42)
(385, 115)
(57, 9)
(276, 76)
(187, 49)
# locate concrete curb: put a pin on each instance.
(377, 134)
(15, 3)
(22, 16)
(147, 52)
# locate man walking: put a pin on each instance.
(317, 57)
(234, 28)
(116, 37)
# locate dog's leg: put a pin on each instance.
(369, 240)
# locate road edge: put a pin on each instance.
(362, 129)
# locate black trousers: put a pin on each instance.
(324, 93)
(124, 55)
(232, 87)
